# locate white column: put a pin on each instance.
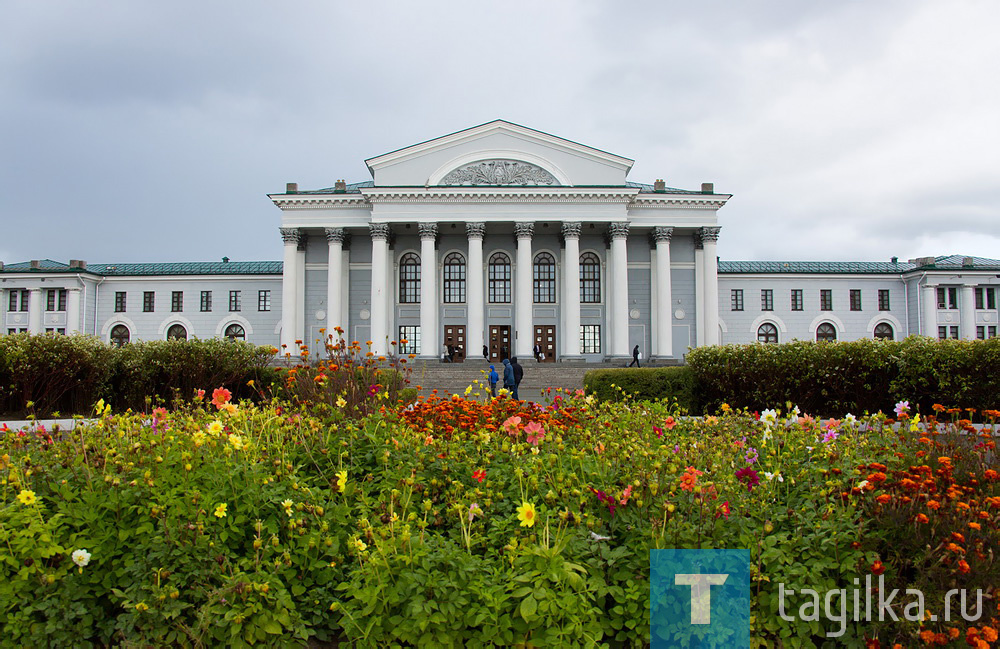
(300, 294)
(73, 311)
(35, 311)
(476, 333)
(381, 290)
(524, 338)
(571, 290)
(664, 297)
(619, 293)
(709, 240)
(430, 346)
(289, 295)
(334, 281)
(928, 324)
(699, 290)
(967, 327)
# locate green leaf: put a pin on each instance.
(528, 608)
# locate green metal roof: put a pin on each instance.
(170, 268)
(816, 267)
(960, 262)
(355, 188)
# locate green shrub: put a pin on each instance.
(644, 384)
(956, 373)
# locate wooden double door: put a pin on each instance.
(499, 343)
(454, 338)
(545, 337)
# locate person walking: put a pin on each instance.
(486, 353)
(538, 353)
(493, 378)
(518, 374)
(635, 357)
(451, 353)
(508, 376)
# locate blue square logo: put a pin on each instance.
(699, 598)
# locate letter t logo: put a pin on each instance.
(701, 594)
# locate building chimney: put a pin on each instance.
(967, 262)
(291, 188)
(77, 264)
(925, 261)
(708, 188)
(225, 260)
(895, 260)
(35, 264)
(340, 186)
(1, 265)
(659, 185)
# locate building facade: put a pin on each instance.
(500, 239)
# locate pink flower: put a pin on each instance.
(511, 426)
(748, 477)
(220, 397)
(670, 423)
(626, 495)
(901, 408)
(536, 433)
(658, 431)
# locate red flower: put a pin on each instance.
(220, 397)
(478, 475)
(878, 568)
(723, 510)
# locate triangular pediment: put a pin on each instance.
(499, 153)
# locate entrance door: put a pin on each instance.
(545, 337)
(499, 342)
(454, 336)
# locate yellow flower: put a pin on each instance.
(341, 402)
(236, 441)
(220, 511)
(215, 427)
(26, 497)
(342, 480)
(142, 606)
(526, 514)
(287, 504)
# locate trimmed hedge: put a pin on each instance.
(826, 379)
(648, 383)
(68, 374)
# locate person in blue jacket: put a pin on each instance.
(494, 378)
(508, 376)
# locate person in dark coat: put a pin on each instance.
(451, 353)
(537, 350)
(508, 376)
(635, 357)
(486, 353)
(518, 374)
(494, 379)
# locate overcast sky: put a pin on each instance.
(151, 131)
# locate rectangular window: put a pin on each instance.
(409, 339)
(991, 331)
(826, 299)
(263, 300)
(883, 299)
(796, 299)
(177, 301)
(206, 300)
(148, 301)
(50, 299)
(953, 332)
(454, 279)
(25, 297)
(766, 299)
(948, 332)
(947, 297)
(12, 300)
(590, 339)
(120, 302)
(855, 299)
(63, 294)
(985, 298)
(981, 333)
(234, 300)
(737, 299)
(544, 279)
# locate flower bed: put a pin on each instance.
(463, 523)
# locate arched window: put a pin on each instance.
(590, 278)
(826, 332)
(499, 272)
(883, 331)
(409, 278)
(177, 332)
(236, 332)
(120, 335)
(767, 333)
(544, 278)
(454, 278)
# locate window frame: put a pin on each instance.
(883, 326)
(797, 300)
(826, 332)
(242, 335)
(176, 301)
(148, 301)
(116, 341)
(884, 299)
(235, 301)
(499, 278)
(454, 277)
(543, 278)
(121, 301)
(205, 302)
(736, 299)
(590, 339)
(263, 300)
(855, 299)
(409, 278)
(173, 328)
(826, 299)
(766, 332)
(767, 299)
(590, 278)
(411, 334)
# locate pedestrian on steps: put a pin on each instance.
(518, 374)
(635, 357)
(494, 379)
(508, 377)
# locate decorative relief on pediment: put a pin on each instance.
(499, 172)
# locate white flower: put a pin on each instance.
(850, 420)
(794, 414)
(81, 557)
(597, 537)
(863, 484)
(768, 417)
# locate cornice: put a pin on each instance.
(499, 195)
(689, 200)
(306, 202)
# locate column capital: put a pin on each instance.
(524, 230)
(379, 231)
(475, 230)
(662, 234)
(710, 234)
(335, 235)
(571, 229)
(427, 230)
(618, 230)
(291, 235)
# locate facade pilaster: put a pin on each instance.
(476, 333)
(429, 340)
(35, 298)
(300, 291)
(571, 290)
(334, 280)
(619, 296)
(381, 288)
(289, 295)
(664, 297)
(699, 290)
(709, 240)
(928, 320)
(967, 325)
(523, 298)
(73, 310)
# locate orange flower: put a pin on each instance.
(933, 504)
(989, 634)
(927, 636)
(878, 568)
(953, 633)
(220, 397)
(957, 549)
(963, 566)
(883, 499)
(690, 478)
(957, 537)
(922, 518)
(974, 526)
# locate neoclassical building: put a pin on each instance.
(505, 238)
